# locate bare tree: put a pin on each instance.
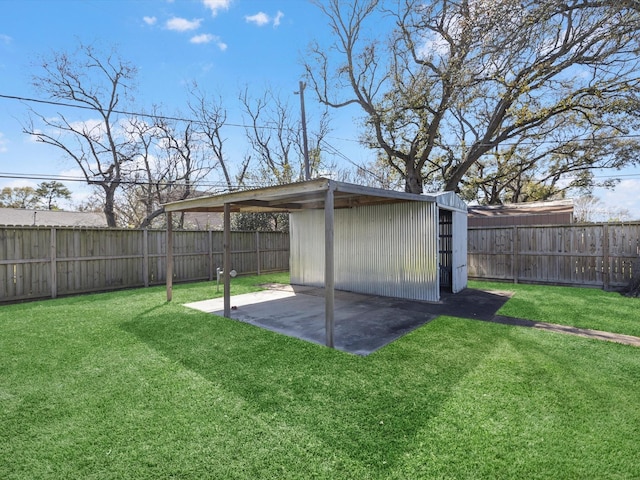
(101, 84)
(587, 209)
(591, 209)
(147, 181)
(173, 160)
(453, 81)
(176, 158)
(209, 117)
(274, 133)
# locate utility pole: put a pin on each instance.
(307, 172)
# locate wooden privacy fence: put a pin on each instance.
(601, 255)
(39, 262)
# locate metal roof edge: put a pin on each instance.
(244, 195)
(309, 189)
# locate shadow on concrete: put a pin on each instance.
(363, 323)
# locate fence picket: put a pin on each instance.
(37, 262)
(599, 254)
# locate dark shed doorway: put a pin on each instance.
(445, 224)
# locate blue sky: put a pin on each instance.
(222, 44)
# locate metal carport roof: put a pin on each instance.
(302, 195)
(314, 194)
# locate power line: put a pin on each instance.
(125, 112)
(68, 178)
(211, 183)
(338, 153)
(268, 127)
(374, 175)
(330, 148)
(528, 142)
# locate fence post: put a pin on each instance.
(210, 252)
(515, 261)
(169, 257)
(258, 251)
(145, 256)
(226, 259)
(53, 264)
(605, 256)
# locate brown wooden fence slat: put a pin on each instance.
(38, 262)
(599, 254)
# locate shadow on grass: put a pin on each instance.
(367, 408)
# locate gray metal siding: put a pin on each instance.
(459, 270)
(389, 250)
(306, 239)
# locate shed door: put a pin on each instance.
(446, 248)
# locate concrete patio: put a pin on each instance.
(363, 323)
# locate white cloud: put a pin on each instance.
(19, 183)
(150, 20)
(71, 173)
(276, 20)
(433, 45)
(6, 39)
(182, 24)
(93, 126)
(80, 190)
(261, 19)
(623, 196)
(202, 38)
(216, 5)
(208, 38)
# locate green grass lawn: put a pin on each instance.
(577, 307)
(124, 385)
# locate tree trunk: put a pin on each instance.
(149, 218)
(413, 180)
(109, 204)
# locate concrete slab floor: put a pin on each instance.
(363, 323)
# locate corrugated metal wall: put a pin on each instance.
(306, 243)
(389, 250)
(460, 267)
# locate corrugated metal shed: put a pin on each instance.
(356, 238)
(389, 250)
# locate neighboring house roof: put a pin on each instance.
(532, 213)
(51, 218)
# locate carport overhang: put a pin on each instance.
(322, 193)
